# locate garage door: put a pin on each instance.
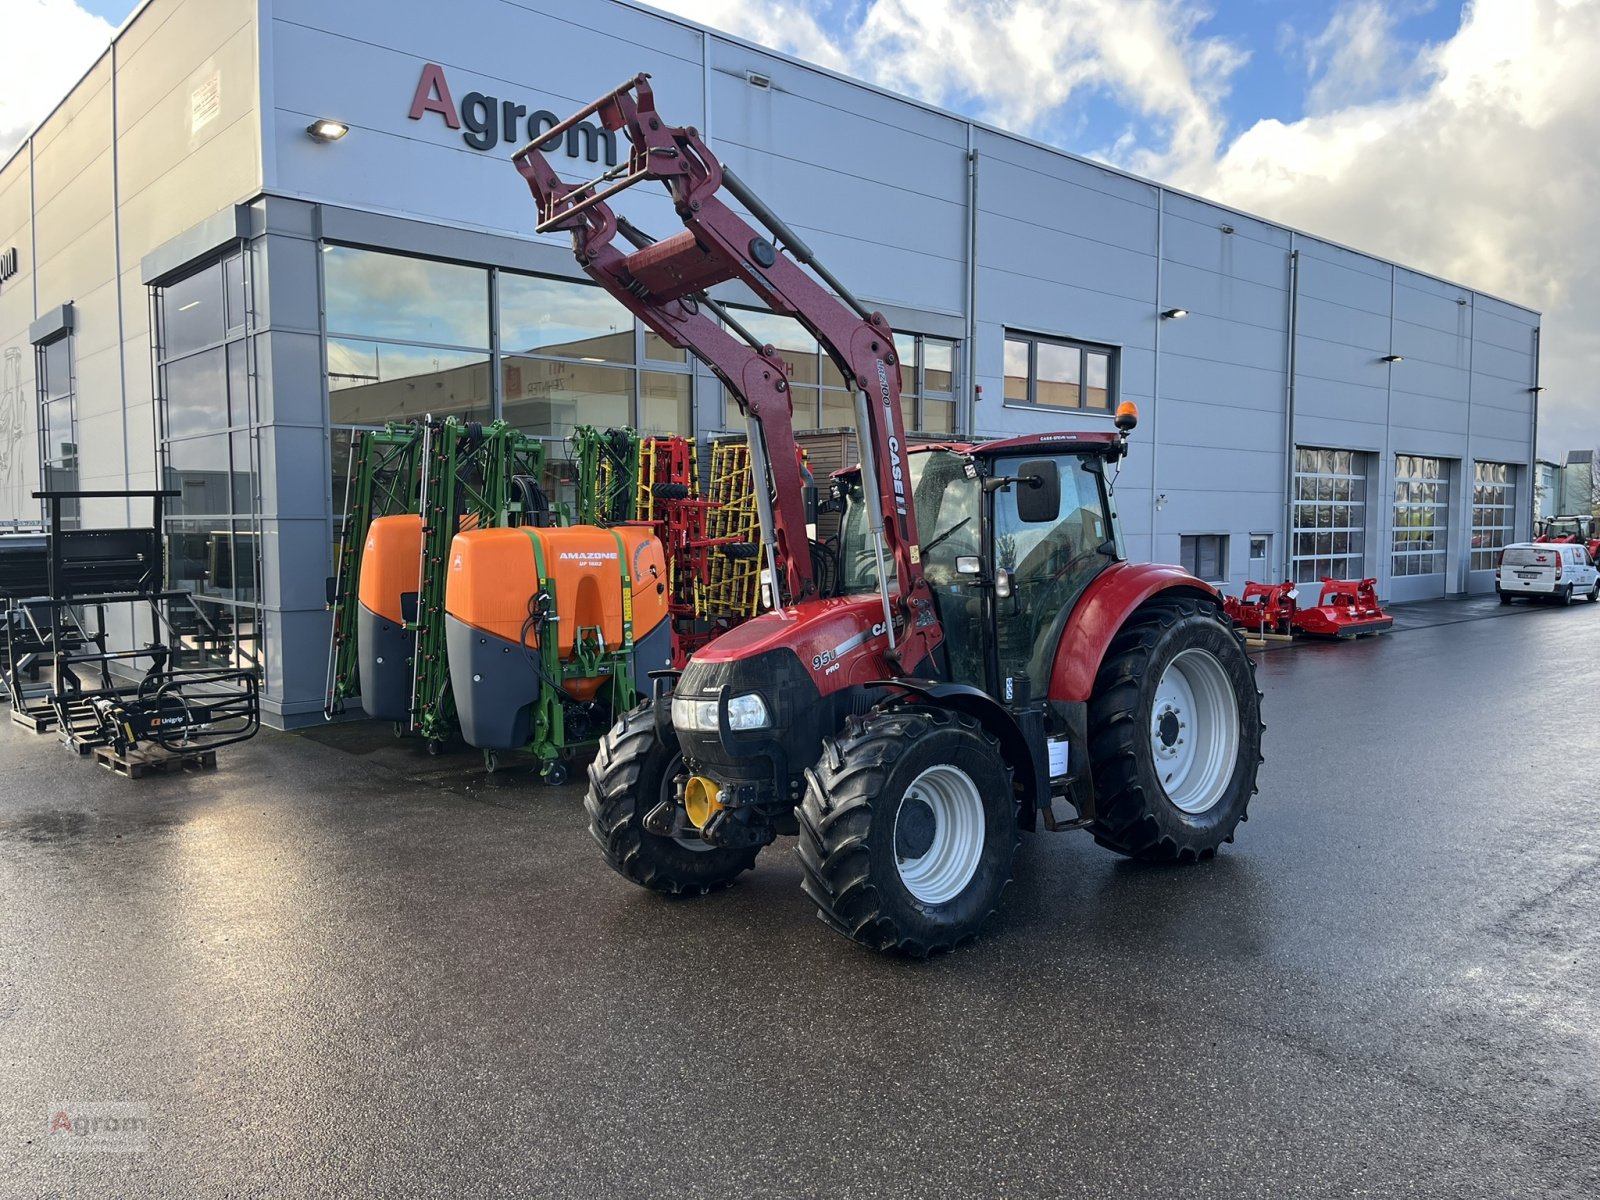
(1330, 514)
(1421, 526)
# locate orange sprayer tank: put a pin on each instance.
(390, 562)
(495, 573)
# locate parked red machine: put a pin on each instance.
(909, 711)
(1263, 608)
(1572, 529)
(1345, 608)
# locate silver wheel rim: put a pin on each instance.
(1194, 731)
(937, 862)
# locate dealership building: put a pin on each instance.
(199, 288)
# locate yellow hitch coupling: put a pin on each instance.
(700, 800)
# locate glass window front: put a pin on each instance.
(394, 296)
(1330, 515)
(563, 319)
(373, 382)
(192, 312)
(819, 393)
(1057, 373)
(549, 398)
(209, 456)
(58, 427)
(1494, 512)
(664, 404)
(1205, 556)
(1421, 514)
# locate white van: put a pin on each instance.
(1557, 569)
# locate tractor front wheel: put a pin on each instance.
(632, 772)
(908, 829)
(1174, 733)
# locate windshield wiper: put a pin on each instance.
(926, 549)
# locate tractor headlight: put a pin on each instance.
(746, 712)
(700, 716)
(696, 716)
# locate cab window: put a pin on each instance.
(1052, 562)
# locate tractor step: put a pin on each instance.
(1061, 817)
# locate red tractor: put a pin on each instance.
(973, 655)
(1581, 530)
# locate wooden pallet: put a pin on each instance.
(39, 720)
(135, 764)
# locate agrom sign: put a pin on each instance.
(10, 264)
(485, 121)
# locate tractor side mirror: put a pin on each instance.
(1038, 491)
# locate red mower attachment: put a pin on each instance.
(1265, 608)
(1346, 608)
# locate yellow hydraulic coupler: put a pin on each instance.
(700, 800)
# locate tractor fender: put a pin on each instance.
(1027, 756)
(1103, 609)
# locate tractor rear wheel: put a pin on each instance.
(1174, 733)
(908, 830)
(632, 772)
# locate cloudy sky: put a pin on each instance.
(1460, 138)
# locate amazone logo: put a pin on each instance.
(587, 555)
(488, 119)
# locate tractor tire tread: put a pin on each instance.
(1124, 822)
(616, 819)
(835, 825)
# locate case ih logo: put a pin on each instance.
(489, 120)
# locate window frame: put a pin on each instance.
(1408, 562)
(1084, 348)
(1497, 497)
(1315, 466)
(226, 614)
(45, 402)
(1223, 549)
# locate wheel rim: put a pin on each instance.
(939, 834)
(1194, 731)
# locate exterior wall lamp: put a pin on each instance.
(1392, 358)
(1174, 314)
(325, 130)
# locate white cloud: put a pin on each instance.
(1355, 58)
(1015, 63)
(50, 43)
(1473, 158)
(1484, 172)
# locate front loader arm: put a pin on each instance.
(664, 283)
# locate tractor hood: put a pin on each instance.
(829, 637)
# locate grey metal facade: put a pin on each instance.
(1265, 409)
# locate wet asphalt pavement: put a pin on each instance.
(336, 967)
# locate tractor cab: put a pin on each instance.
(1013, 532)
